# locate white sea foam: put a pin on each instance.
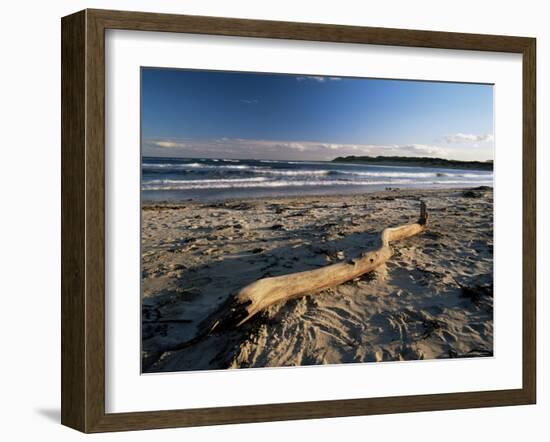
(384, 174)
(472, 182)
(223, 184)
(170, 165)
(209, 181)
(187, 166)
(475, 175)
(292, 172)
(390, 174)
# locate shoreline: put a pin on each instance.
(196, 254)
(395, 191)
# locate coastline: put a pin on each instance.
(416, 162)
(196, 254)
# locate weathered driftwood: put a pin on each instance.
(260, 294)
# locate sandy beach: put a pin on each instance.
(432, 299)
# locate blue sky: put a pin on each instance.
(216, 114)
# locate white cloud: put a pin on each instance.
(467, 138)
(317, 78)
(249, 101)
(168, 144)
(283, 150)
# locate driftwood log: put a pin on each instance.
(264, 292)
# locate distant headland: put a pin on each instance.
(417, 162)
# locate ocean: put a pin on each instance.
(178, 179)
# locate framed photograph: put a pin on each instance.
(269, 220)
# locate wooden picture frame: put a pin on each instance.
(83, 220)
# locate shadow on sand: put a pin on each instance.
(173, 317)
